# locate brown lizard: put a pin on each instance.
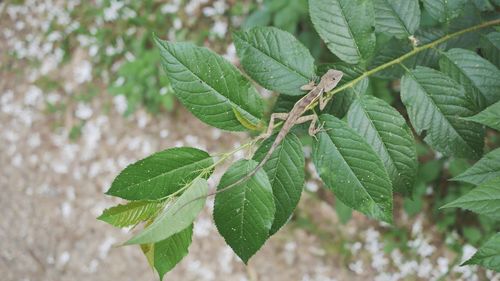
(328, 81)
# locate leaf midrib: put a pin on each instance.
(439, 110)
(166, 173)
(209, 85)
(349, 30)
(353, 174)
(465, 74)
(379, 136)
(398, 17)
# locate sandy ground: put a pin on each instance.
(52, 192)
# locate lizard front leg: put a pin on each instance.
(322, 102)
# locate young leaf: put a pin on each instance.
(396, 17)
(245, 122)
(285, 170)
(490, 47)
(275, 59)
(435, 105)
(177, 216)
(244, 213)
(209, 86)
(148, 251)
(478, 76)
(488, 254)
(485, 169)
(131, 213)
(484, 199)
(444, 10)
(489, 117)
(343, 212)
(169, 252)
(346, 26)
(387, 132)
(160, 174)
(352, 170)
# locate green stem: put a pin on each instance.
(408, 55)
(223, 157)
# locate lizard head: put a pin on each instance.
(331, 79)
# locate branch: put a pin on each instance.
(399, 60)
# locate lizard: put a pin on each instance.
(295, 116)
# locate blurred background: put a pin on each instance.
(82, 96)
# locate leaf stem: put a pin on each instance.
(226, 155)
(410, 54)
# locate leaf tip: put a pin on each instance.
(444, 206)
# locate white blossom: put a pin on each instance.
(83, 73)
(83, 111)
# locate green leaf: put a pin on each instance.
(285, 103)
(490, 47)
(388, 134)
(176, 216)
(164, 255)
(160, 174)
(435, 105)
(444, 10)
(131, 213)
(346, 26)
(285, 170)
(478, 76)
(244, 213)
(288, 17)
(484, 5)
(352, 169)
(488, 254)
(484, 199)
(257, 18)
(485, 169)
(489, 117)
(275, 59)
(396, 17)
(209, 86)
(469, 17)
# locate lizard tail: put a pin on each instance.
(242, 180)
(246, 177)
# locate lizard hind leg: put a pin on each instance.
(312, 127)
(270, 127)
